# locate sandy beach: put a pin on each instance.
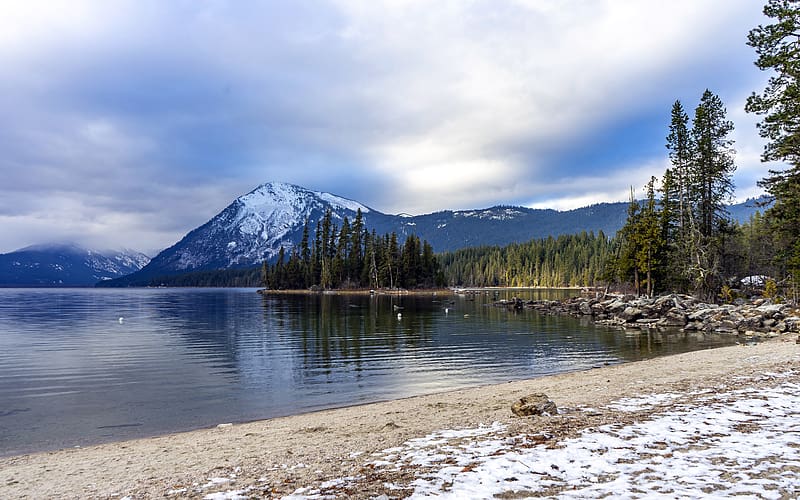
(276, 457)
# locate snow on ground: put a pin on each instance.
(714, 444)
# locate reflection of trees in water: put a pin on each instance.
(356, 332)
(335, 329)
(213, 317)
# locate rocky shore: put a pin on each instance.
(757, 317)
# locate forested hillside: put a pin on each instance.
(568, 260)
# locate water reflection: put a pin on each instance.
(70, 373)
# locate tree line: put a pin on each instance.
(566, 260)
(350, 257)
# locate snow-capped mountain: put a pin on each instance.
(253, 228)
(256, 225)
(66, 265)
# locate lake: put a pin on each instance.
(73, 373)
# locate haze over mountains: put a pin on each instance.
(56, 265)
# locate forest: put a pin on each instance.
(350, 257)
(567, 260)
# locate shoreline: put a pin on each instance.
(420, 291)
(280, 455)
(364, 291)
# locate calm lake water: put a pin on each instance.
(72, 374)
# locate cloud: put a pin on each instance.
(130, 122)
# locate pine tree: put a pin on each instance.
(356, 257)
(777, 46)
(681, 150)
(711, 179)
(305, 257)
(647, 233)
(325, 280)
(340, 258)
(626, 260)
(678, 196)
(713, 164)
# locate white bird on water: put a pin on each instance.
(399, 315)
(121, 320)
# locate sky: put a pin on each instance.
(128, 123)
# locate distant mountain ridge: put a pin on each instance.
(65, 264)
(256, 225)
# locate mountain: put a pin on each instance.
(501, 225)
(251, 229)
(66, 265)
(256, 225)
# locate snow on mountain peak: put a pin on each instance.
(256, 225)
(274, 195)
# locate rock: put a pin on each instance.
(534, 404)
(703, 313)
(616, 306)
(674, 318)
(752, 322)
(673, 310)
(631, 313)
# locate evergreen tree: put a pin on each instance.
(647, 233)
(626, 260)
(712, 188)
(681, 150)
(713, 164)
(316, 256)
(305, 256)
(326, 278)
(279, 274)
(265, 277)
(357, 247)
(339, 269)
(778, 50)
(678, 196)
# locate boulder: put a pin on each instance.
(534, 404)
(674, 318)
(702, 313)
(631, 313)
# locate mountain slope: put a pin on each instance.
(501, 225)
(256, 225)
(66, 265)
(251, 229)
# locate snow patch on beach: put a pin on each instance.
(729, 443)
